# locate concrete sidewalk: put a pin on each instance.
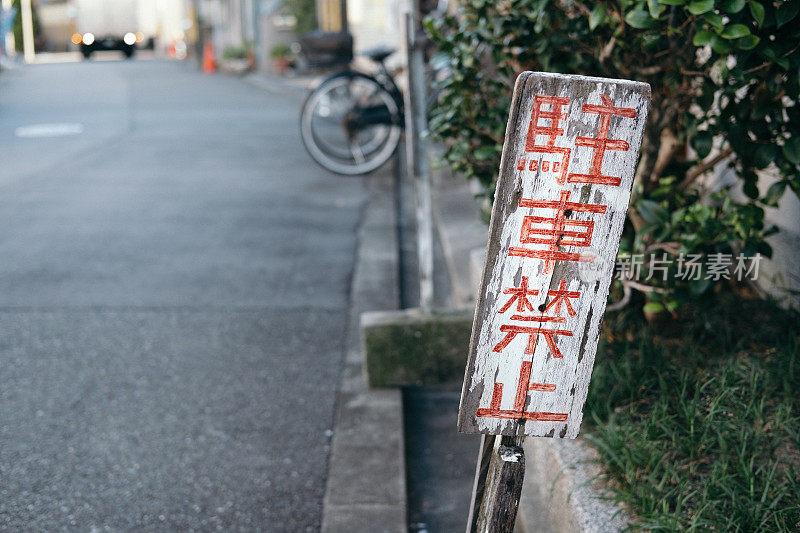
(366, 487)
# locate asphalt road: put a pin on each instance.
(173, 292)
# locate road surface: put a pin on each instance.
(173, 294)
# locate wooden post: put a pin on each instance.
(498, 485)
(504, 478)
(565, 180)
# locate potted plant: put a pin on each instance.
(279, 54)
(239, 59)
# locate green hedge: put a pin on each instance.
(725, 76)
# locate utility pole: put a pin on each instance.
(27, 31)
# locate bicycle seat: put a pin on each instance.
(379, 53)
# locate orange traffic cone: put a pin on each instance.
(209, 65)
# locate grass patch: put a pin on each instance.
(698, 420)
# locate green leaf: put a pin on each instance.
(702, 143)
(748, 42)
(719, 45)
(732, 6)
(698, 7)
(672, 2)
(715, 20)
(653, 307)
(652, 212)
(764, 155)
(735, 31)
(791, 150)
(757, 11)
(639, 19)
(774, 193)
(702, 37)
(655, 8)
(597, 16)
(750, 189)
(786, 12)
(485, 152)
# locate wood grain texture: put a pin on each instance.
(506, 472)
(541, 304)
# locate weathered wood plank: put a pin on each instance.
(565, 180)
(498, 511)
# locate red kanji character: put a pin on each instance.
(562, 295)
(556, 236)
(520, 295)
(555, 116)
(518, 410)
(550, 129)
(549, 335)
(601, 143)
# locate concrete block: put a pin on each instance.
(412, 348)
(563, 487)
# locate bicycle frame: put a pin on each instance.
(364, 117)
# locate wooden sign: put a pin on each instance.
(565, 181)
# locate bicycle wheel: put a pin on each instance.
(350, 124)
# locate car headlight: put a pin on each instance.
(88, 38)
(130, 39)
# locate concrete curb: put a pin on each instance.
(366, 486)
(561, 488)
(563, 485)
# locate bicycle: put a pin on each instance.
(351, 123)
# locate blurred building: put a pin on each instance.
(375, 22)
(228, 23)
(56, 24)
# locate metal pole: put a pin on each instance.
(417, 147)
(27, 31)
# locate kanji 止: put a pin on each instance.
(601, 143)
(518, 411)
(519, 294)
(555, 232)
(551, 128)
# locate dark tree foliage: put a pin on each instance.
(725, 76)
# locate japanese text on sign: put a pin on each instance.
(565, 181)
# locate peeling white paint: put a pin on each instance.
(570, 374)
